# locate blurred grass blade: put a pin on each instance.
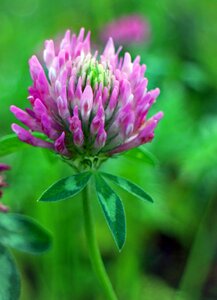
(10, 143)
(23, 233)
(127, 185)
(66, 187)
(9, 276)
(113, 210)
(143, 155)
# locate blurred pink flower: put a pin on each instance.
(127, 30)
(87, 105)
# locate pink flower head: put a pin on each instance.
(87, 104)
(3, 168)
(127, 30)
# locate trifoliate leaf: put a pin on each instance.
(23, 233)
(9, 276)
(128, 186)
(113, 210)
(66, 187)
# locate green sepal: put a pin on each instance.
(129, 186)
(9, 276)
(23, 233)
(66, 187)
(113, 210)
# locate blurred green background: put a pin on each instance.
(171, 244)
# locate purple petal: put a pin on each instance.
(60, 146)
(100, 138)
(145, 135)
(86, 103)
(49, 53)
(27, 137)
(4, 167)
(25, 118)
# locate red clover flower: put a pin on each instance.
(88, 105)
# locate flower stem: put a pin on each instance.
(94, 252)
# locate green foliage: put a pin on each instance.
(66, 187)
(202, 154)
(143, 155)
(113, 210)
(23, 233)
(9, 277)
(110, 202)
(128, 186)
(10, 143)
(181, 60)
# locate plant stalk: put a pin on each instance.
(94, 252)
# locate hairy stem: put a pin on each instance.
(94, 252)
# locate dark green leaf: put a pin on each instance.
(66, 187)
(10, 143)
(143, 155)
(9, 277)
(23, 233)
(113, 210)
(128, 186)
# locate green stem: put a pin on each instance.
(94, 252)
